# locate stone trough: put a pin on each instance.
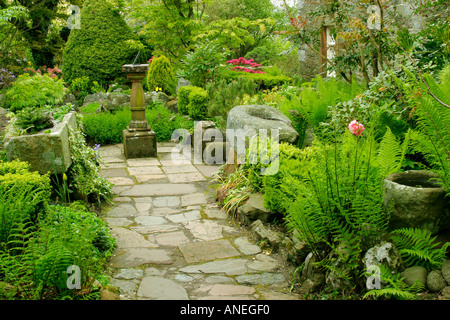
(43, 151)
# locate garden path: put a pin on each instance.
(173, 240)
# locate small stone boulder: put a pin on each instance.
(413, 274)
(435, 281)
(265, 234)
(385, 254)
(254, 209)
(446, 271)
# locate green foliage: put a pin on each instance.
(226, 95)
(106, 127)
(418, 247)
(203, 64)
(262, 80)
(161, 75)
(33, 120)
(84, 172)
(164, 123)
(183, 99)
(395, 287)
(66, 236)
(23, 195)
(198, 103)
(98, 50)
(432, 136)
(34, 91)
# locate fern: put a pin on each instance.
(417, 247)
(395, 287)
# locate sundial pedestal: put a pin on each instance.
(139, 140)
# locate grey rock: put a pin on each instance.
(246, 247)
(182, 83)
(435, 281)
(264, 233)
(413, 274)
(250, 119)
(254, 209)
(129, 274)
(158, 288)
(385, 254)
(415, 202)
(446, 293)
(261, 278)
(446, 271)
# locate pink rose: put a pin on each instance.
(356, 128)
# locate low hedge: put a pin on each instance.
(264, 81)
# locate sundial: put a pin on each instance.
(139, 138)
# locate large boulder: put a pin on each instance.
(246, 121)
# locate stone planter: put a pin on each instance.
(44, 151)
(416, 201)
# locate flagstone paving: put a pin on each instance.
(173, 241)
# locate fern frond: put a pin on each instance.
(390, 154)
(418, 247)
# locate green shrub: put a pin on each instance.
(98, 49)
(183, 99)
(198, 103)
(34, 91)
(161, 75)
(164, 123)
(106, 128)
(34, 120)
(23, 197)
(264, 81)
(66, 236)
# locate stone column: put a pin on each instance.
(139, 140)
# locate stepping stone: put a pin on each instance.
(205, 230)
(149, 220)
(230, 290)
(208, 171)
(110, 151)
(263, 263)
(127, 287)
(169, 162)
(143, 162)
(135, 171)
(129, 274)
(260, 278)
(133, 257)
(192, 199)
(179, 169)
(220, 279)
(113, 165)
(186, 177)
(157, 228)
(207, 250)
(114, 159)
(118, 222)
(170, 201)
(143, 190)
(114, 172)
(143, 207)
(246, 247)
(184, 216)
(122, 199)
(172, 239)
(121, 181)
(228, 267)
(122, 211)
(158, 288)
(130, 239)
(163, 211)
(151, 178)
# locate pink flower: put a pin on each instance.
(356, 128)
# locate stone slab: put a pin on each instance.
(149, 220)
(206, 230)
(143, 162)
(151, 178)
(122, 211)
(193, 199)
(143, 190)
(172, 239)
(170, 201)
(159, 288)
(260, 278)
(184, 216)
(228, 267)
(114, 172)
(133, 257)
(246, 247)
(186, 177)
(207, 250)
(130, 239)
(121, 181)
(179, 169)
(154, 170)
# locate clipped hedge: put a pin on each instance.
(161, 75)
(198, 103)
(98, 49)
(183, 99)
